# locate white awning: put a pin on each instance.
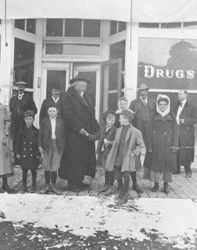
(120, 10)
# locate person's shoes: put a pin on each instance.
(122, 199)
(137, 189)
(83, 186)
(155, 188)
(188, 175)
(23, 189)
(46, 190)
(166, 189)
(104, 188)
(54, 190)
(33, 189)
(177, 172)
(6, 188)
(73, 188)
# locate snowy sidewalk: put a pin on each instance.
(174, 221)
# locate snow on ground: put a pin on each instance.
(172, 219)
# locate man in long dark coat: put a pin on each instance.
(79, 156)
(186, 116)
(54, 100)
(18, 105)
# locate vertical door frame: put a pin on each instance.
(105, 80)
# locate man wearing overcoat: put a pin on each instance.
(186, 116)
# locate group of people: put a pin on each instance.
(65, 141)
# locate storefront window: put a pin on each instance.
(73, 27)
(149, 25)
(28, 25)
(24, 61)
(54, 27)
(168, 64)
(20, 24)
(170, 25)
(31, 26)
(91, 28)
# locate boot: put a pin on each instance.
(23, 189)
(156, 187)
(33, 187)
(135, 185)
(188, 172)
(178, 170)
(107, 182)
(53, 183)
(47, 188)
(123, 196)
(166, 188)
(5, 186)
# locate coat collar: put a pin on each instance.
(74, 93)
(129, 132)
(168, 117)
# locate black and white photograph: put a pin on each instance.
(98, 125)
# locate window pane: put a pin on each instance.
(31, 25)
(24, 61)
(122, 26)
(148, 25)
(112, 101)
(113, 27)
(91, 28)
(20, 24)
(54, 27)
(55, 76)
(190, 25)
(73, 27)
(52, 49)
(170, 25)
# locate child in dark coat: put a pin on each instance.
(51, 145)
(106, 136)
(27, 150)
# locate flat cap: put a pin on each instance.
(78, 79)
(28, 113)
(128, 113)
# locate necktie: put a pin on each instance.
(181, 104)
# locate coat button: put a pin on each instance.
(24, 148)
(165, 133)
(30, 148)
(24, 156)
(31, 155)
(30, 142)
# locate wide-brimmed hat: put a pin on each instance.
(28, 113)
(128, 113)
(78, 79)
(21, 83)
(143, 86)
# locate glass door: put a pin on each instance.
(54, 73)
(111, 84)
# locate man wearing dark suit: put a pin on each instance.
(144, 109)
(53, 100)
(18, 105)
(186, 116)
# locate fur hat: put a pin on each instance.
(76, 79)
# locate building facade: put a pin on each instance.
(115, 56)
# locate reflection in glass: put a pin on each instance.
(54, 27)
(24, 61)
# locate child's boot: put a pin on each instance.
(155, 187)
(5, 186)
(123, 196)
(53, 183)
(33, 187)
(107, 181)
(46, 190)
(166, 188)
(135, 185)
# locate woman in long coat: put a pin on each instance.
(79, 157)
(6, 168)
(162, 145)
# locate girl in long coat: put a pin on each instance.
(79, 157)
(162, 145)
(6, 168)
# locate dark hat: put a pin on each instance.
(143, 86)
(20, 83)
(56, 86)
(28, 113)
(52, 105)
(77, 79)
(128, 113)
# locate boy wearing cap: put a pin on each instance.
(51, 145)
(27, 150)
(18, 105)
(54, 99)
(127, 145)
